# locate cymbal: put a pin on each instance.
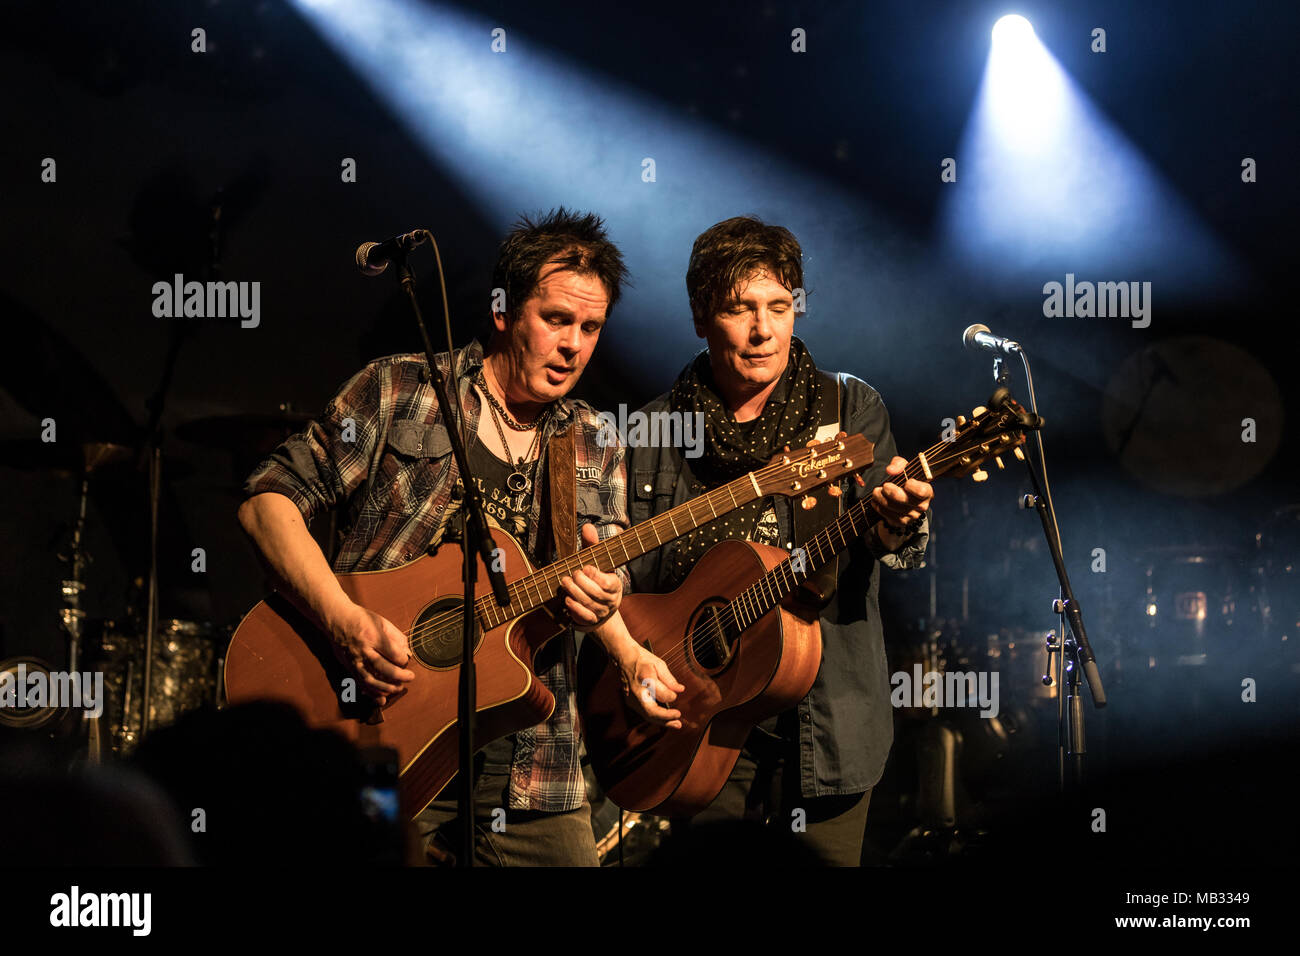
(97, 454)
(1172, 415)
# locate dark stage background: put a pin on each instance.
(844, 143)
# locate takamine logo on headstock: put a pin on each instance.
(816, 464)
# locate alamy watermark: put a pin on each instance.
(20, 690)
(209, 300)
(653, 430)
(951, 689)
(75, 908)
(1085, 300)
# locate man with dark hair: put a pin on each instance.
(759, 390)
(380, 454)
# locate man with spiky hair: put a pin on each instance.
(380, 455)
(759, 390)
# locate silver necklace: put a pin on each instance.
(501, 409)
(518, 481)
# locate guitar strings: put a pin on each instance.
(770, 584)
(419, 636)
(518, 589)
(450, 618)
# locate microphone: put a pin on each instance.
(978, 337)
(373, 257)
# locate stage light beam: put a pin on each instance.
(1026, 88)
(1050, 186)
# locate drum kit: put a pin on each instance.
(187, 655)
(1167, 626)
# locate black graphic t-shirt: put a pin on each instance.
(506, 508)
(510, 511)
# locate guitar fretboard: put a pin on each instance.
(536, 589)
(773, 587)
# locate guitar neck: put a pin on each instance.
(536, 589)
(768, 591)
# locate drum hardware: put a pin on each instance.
(72, 618)
(622, 838)
(74, 733)
(1051, 645)
(1191, 606)
(184, 673)
(94, 456)
(125, 735)
(1274, 591)
(1010, 651)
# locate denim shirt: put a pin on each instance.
(845, 723)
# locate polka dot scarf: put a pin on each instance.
(732, 450)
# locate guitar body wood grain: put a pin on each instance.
(276, 654)
(647, 768)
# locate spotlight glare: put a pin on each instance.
(1013, 30)
(1051, 184)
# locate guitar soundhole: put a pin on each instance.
(710, 645)
(439, 633)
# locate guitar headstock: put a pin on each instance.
(991, 431)
(798, 471)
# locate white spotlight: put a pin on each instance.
(1013, 30)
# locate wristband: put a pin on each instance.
(892, 529)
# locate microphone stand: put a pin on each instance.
(152, 458)
(152, 455)
(1075, 651)
(475, 537)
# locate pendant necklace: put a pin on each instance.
(518, 482)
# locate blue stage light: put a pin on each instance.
(530, 128)
(1046, 185)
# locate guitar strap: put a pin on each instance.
(820, 586)
(562, 469)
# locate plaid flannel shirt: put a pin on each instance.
(381, 454)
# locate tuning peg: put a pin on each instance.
(811, 442)
(862, 482)
(1019, 453)
(980, 475)
(833, 491)
(998, 459)
(786, 449)
(808, 503)
(960, 420)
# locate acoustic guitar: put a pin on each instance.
(742, 646)
(277, 654)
